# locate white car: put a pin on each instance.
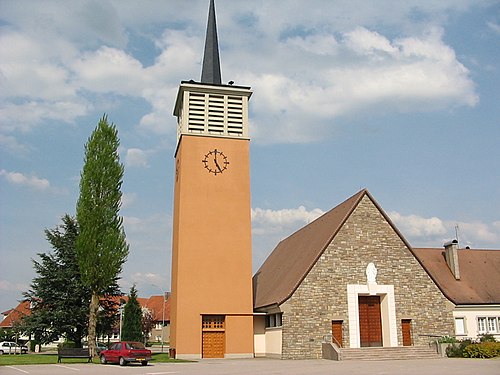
(9, 347)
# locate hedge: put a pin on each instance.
(482, 350)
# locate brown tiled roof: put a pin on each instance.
(479, 275)
(13, 316)
(293, 258)
(155, 305)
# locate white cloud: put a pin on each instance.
(417, 226)
(22, 117)
(433, 232)
(285, 216)
(6, 286)
(153, 224)
(17, 178)
(494, 26)
(147, 283)
(136, 158)
(477, 234)
(316, 75)
(29, 70)
(109, 70)
(317, 44)
(366, 73)
(128, 199)
(269, 221)
(11, 144)
(366, 42)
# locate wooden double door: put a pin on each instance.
(370, 321)
(213, 336)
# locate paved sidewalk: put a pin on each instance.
(263, 366)
(324, 367)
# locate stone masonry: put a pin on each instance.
(365, 237)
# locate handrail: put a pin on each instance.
(336, 342)
(330, 338)
(428, 335)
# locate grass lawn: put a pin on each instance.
(40, 359)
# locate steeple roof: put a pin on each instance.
(211, 63)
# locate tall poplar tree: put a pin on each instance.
(101, 246)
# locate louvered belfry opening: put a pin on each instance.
(215, 114)
(213, 110)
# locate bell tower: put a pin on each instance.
(212, 310)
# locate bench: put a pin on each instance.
(73, 353)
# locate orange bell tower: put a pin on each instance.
(211, 310)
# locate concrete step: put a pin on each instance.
(381, 354)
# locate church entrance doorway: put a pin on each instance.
(370, 321)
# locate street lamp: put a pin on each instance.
(120, 309)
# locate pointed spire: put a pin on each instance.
(210, 72)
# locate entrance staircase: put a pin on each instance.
(381, 354)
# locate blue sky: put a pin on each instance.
(398, 97)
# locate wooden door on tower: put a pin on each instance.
(370, 321)
(213, 336)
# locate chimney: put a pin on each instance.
(451, 255)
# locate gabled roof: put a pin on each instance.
(13, 316)
(479, 275)
(290, 262)
(155, 305)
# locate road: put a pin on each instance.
(272, 367)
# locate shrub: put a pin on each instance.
(487, 337)
(482, 350)
(447, 339)
(457, 349)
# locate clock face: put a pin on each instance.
(215, 162)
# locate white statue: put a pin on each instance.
(371, 273)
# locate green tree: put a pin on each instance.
(101, 246)
(108, 313)
(59, 300)
(148, 323)
(7, 334)
(132, 318)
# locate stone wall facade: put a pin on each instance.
(365, 237)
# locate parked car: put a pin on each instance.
(9, 347)
(124, 352)
(100, 347)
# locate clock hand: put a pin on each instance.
(217, 165)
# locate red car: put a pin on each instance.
(126, 351)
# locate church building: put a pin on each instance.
(348, 281)
(349, 275)
(349, 284)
